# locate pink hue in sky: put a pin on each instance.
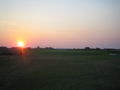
(60, 23)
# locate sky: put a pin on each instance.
(60, 23)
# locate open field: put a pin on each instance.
(60, 70)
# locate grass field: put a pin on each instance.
(60, 70)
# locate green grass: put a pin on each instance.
(60, 70)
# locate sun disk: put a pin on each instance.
(20, 44)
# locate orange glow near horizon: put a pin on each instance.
(20, 44)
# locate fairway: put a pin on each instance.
(60, 70)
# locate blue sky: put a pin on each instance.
(61, 23)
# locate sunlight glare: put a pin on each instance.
(20, 44)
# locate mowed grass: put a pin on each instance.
(60, 70)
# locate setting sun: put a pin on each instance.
(20, 44)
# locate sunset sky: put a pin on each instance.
(60, 23)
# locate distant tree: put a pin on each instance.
(87, 48)
(97, 49)
(38, 47)
(49, 48)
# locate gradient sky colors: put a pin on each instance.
(60, 23)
